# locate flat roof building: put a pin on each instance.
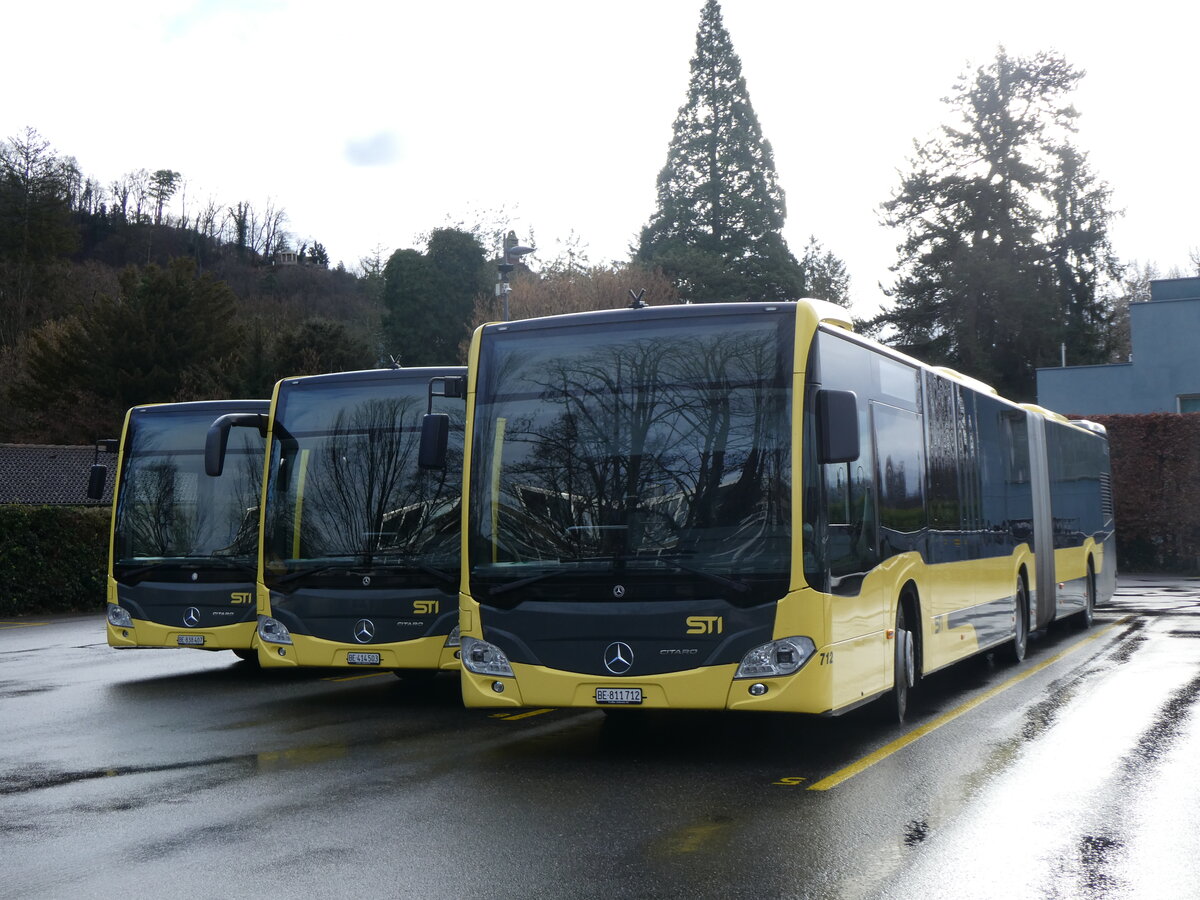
(1163, 371)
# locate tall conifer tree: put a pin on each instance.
(716, 230)
(1006, 232)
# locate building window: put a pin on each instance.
(1189, 403)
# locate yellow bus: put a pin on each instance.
(183, 547)
(748, 506)
(359, 550)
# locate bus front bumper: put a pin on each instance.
(145, 634)
(806, 691)
(305, 650)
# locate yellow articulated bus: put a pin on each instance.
(183, 547)
(359, 557)
(747, 506)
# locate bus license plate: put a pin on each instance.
(363, 659)
(618, 695)
(190, 640)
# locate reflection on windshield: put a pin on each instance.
(345, 491)
(665, 440)
(170, 510)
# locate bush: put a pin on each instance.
(52, 559)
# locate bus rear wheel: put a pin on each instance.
(904, 672)
(1020, 641)
(1085, 618)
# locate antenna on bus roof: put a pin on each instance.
(636, 301)
(395, 362)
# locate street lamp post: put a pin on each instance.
(512, 253)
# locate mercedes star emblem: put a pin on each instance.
(191, 618)
(618, 590)
(366, 581)
(618, 657)
(364, 630)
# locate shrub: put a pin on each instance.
(52, 559)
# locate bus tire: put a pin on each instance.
(1020, 641)
(1085, 618)
(904, 671)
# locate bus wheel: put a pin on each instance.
(250, 656)
(1016, 650)
(1085, 618)
(904, 672)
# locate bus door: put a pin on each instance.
(1043, 525)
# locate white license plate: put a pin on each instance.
(618, 695)
(362, 659)
(190, 640)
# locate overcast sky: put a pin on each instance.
(374, 122)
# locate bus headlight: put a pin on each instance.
(272, 631)
(483, 658)
(119, 617)
(781, 657)
(452, 638)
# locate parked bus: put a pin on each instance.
(748, 506)
(360, 547)
(183, 547)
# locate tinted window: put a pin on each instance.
(344, 487)
(630, 444)
(168, 508)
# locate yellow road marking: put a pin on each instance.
(694, 838)
(4, 625)
(526, 715)
(354, 677)
(916, 734)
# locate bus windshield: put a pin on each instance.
(658, 448)
(169, 511)
(345, 499)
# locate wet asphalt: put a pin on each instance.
(182, 773)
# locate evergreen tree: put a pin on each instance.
(716, 230)
(169, 335)
(825, 276)
(315, 346)
(1006, 232)
(429, 297)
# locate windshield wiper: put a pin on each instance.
(732, 583)
(521, 582)
(673, 562)
(309, 570)
(447, 577)
(401, 564)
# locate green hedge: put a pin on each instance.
(52, 559)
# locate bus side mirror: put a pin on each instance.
(215, 442)
(435, 435)
(96, 479)
(217, 438)
(837, 427)
(98, 475)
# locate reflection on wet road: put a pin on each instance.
(189, 774)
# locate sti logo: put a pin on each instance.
(705, 625)
(241, 598)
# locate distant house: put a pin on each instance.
(50, 474)
(1163, 371)
(286, 258)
